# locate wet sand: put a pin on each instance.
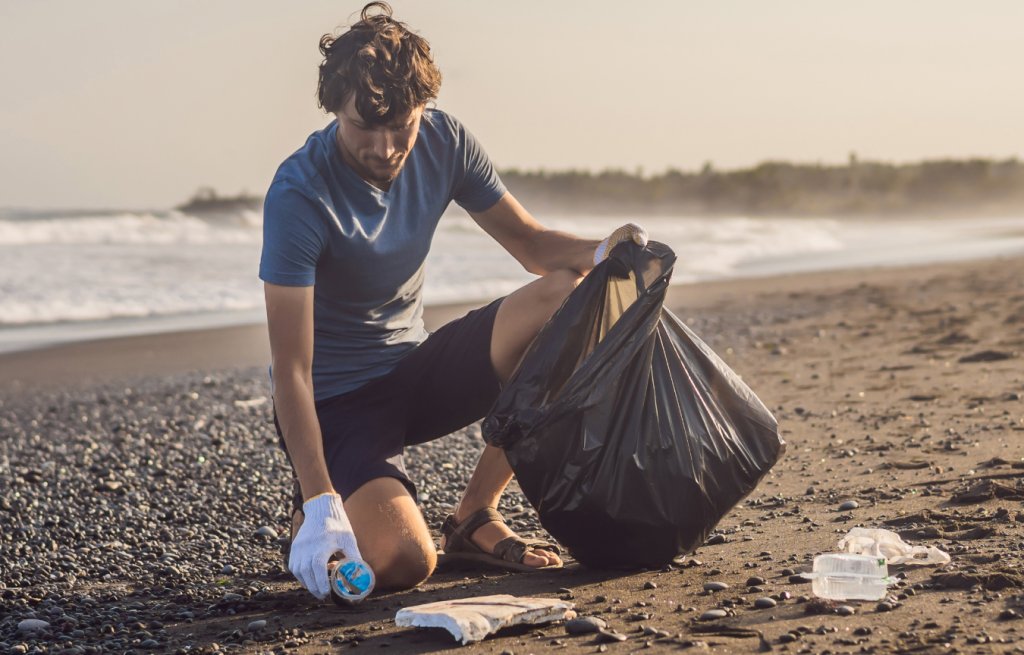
(899, 389)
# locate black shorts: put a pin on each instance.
(444, 384)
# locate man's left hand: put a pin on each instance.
(628, 232)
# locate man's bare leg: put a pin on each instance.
(520, 317)
(392, 535)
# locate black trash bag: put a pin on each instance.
(630, 437)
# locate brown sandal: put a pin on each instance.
(508, 553)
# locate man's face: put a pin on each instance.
(376, 152)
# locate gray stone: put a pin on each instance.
(585, 625)
(714, 585)
(608, 636)
(848, 505)
(266, 531)
(256, 626)
(32, 625)
(845, 610)
(712, 615)
(765, 603)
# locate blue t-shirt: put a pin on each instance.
(363, 249)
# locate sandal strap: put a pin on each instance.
(513, 549)
(458, 535)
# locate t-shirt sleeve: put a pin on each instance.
(480, 186)
(293, 239)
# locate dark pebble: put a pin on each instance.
(755, 581)
(1008, 615)
(845, 610)
(714, 585)
(715, 539)
(650, 585)
(848, 505)
(765, 603)
(712, 615)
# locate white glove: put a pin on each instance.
(629, 231)
(325, 530)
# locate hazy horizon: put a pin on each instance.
(119, 104)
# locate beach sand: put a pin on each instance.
(138, 469)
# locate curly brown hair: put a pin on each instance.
(388, 68)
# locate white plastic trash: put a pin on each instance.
(841, 576)
(888, 545)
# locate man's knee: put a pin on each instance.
(403, 567)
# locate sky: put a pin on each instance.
(128, 104)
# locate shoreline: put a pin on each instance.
(206, 349)
(899, 392)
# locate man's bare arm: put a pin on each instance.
(290, 322)
(537, 248)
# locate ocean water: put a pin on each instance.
(67, 275)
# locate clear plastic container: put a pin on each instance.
(841, 576)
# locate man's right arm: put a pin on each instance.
(290, 323)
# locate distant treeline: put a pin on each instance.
(857, 188)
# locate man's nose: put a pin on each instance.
(384, 146)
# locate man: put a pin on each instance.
(348, 221)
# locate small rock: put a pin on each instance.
(765, 603)
(266, 531)
(227, 570)
(848, 505)
(862, 631)
(799, 578)
(256, 626)
(714, 585)
(985, 356)
(150, 643)
(755, 581)
(715, 539)
(1008, 615)
(585, 625)
(885, 606)
(713, 615)
(32, 625)
(650, 585)
(845, 610)
(608, 636)
(788, 637)
(232, 598)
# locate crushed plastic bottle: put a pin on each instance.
(352, 580)
(841, 576)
